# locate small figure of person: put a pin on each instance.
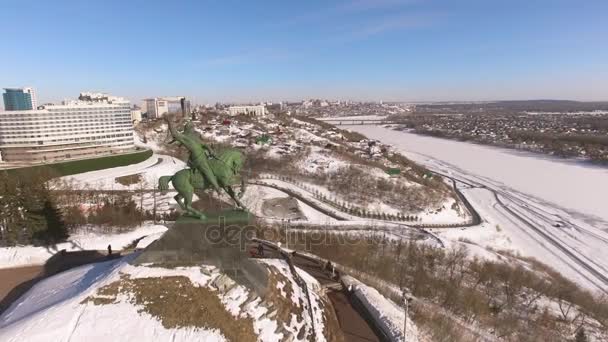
(260, 250)
(109, 250)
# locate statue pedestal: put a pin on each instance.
(223, 241)
(227, 217)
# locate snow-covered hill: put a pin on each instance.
(116, 301)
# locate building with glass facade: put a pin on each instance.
(19, 99)
(159, 106)
(88, 127)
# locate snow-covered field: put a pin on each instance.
(551, 209)
(31, 255)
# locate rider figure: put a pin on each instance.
(189, 130)
(200, 153)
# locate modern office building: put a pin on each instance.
(94, 125)
(159, 106)
(19, 99)
(258, 110)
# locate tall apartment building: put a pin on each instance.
(19, 99)
(94, 125)
(159, 106)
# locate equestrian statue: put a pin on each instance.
(206, 170)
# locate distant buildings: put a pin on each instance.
(135, 115)
(258, 110)
(95, 124)
(159, 106)
(19, 99)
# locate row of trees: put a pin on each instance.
(594, 147)
(120, 212)
(351, 208)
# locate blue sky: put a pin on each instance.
(222, 50)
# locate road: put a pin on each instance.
(603, 280)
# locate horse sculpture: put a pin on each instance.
(207, 171)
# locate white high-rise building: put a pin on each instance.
(95, 124)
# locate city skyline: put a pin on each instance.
(391, 50)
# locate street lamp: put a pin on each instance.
(407, 298)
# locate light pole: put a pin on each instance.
(405, 319)
(406, 300)
(286, 234)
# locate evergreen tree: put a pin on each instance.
(53, 228)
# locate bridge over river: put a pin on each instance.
(354, 121)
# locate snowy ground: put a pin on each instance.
(30, 255)
(255, 196)
(53, 311)
(319, 160)
(56, 308)
(533, 192)
(298, 298)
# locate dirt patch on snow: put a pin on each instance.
(280, 296)
(177, 302)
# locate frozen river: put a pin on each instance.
(547, 208)
(576, 187)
